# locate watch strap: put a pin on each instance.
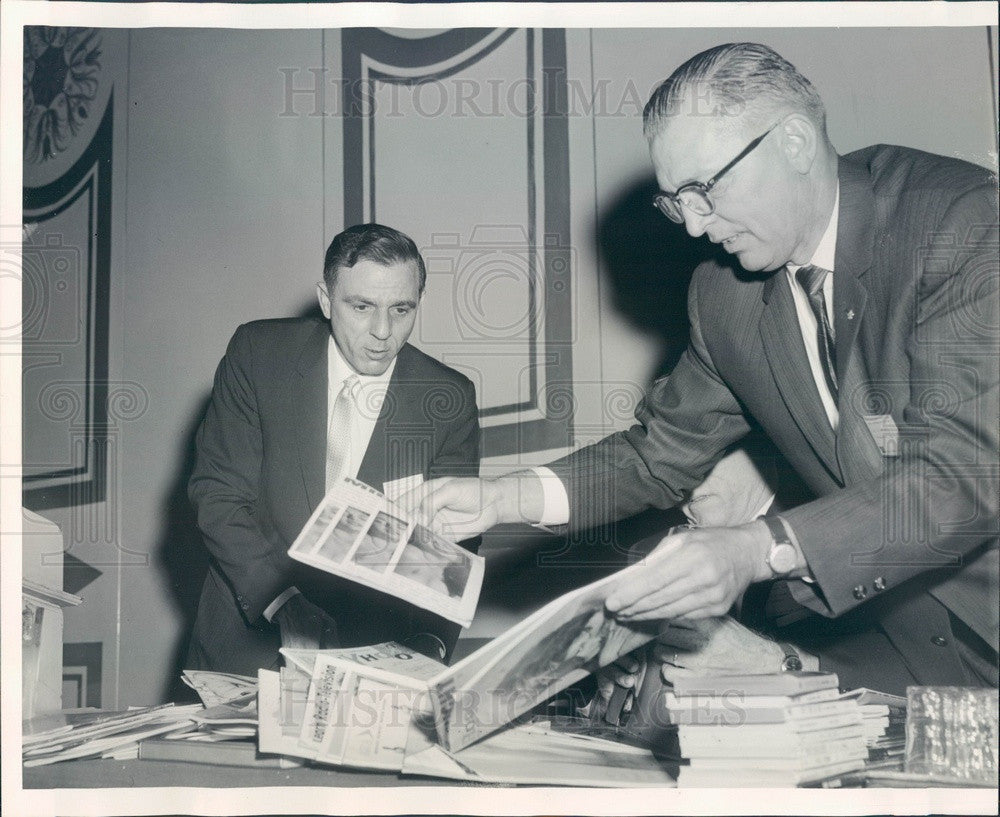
(792, 662)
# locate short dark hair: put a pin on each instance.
(371, 242)
(740, 78)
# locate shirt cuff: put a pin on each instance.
(807, 576)
(555, 500)
(275, 605)
(766, 507)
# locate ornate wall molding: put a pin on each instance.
(66, 259)
(528, 256)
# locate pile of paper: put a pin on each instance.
(784, 729)
(101, 734)
(348, 707)
(884, 720)
(371, 708)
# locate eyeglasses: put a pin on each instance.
(694, 195)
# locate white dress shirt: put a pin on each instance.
(368, 405)
(555, 503)
(823, 257)
(370, 396)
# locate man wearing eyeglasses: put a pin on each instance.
(854, 319)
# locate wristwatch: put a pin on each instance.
(782, 558)
(791, 662)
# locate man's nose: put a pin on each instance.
(694, 223)
(381, 327)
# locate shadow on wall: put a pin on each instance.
(648, 262)
(181, 555)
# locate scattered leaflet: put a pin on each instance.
(358, 534)
(98, 733)
(216, 688)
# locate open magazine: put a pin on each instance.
(358, 706)
(371, 707)
(563, 642)
(358, 534)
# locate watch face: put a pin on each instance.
(781, 558)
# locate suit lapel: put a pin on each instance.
(782, 340)
(311, 411)
(857, 454)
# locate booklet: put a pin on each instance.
(358, 534)
(563, 642)
(347, 707)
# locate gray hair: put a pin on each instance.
(743, 83)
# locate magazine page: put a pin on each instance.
(533, 754)
(563, 642)
(281, 705)
(359, 716)
(356, 533)
(390, 657)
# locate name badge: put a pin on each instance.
(885, 433)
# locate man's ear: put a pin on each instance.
(324, 299)
(799, 141)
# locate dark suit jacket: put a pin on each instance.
(898, 542)
(260, 472)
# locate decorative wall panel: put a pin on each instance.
(68, 119)
(459, 139)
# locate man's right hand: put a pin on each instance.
(304, 626)
(458, 508)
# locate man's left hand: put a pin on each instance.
(305, 626)
(694, 574)
(718, 646)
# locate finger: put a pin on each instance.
(627, 664)
(624, 679)
(456, 526)
(697, 579)
(410, 501)
(605, 686)
(671, 674)
(658, 596)
(648, 576)
(694, 606)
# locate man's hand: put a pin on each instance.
(734, 492)
(719, 646)
(627, 672)
(694, 574)
(458, 508)
(304, 626)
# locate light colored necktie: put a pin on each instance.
(811, 279)
(338, 435)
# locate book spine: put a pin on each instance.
(786, 683)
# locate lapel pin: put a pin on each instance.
(850, 314)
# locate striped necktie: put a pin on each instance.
(811, 279)
(338, 435)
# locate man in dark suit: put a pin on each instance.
(854, 319)
(297, 405)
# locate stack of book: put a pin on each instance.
(884, 719)
(785, 729)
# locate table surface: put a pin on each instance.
(114, 774)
